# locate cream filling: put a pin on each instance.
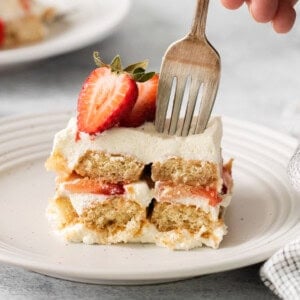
(144, 143)
(138, 192)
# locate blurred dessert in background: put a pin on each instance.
(23, 22)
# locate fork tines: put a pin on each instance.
(195, 84)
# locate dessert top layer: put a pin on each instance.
(144, 143)
(12, 9)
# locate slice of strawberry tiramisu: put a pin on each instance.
(119, 180)
(23, 21)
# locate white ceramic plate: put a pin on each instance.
(263, 216)
(86, 22)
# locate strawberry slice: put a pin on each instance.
(105, 97)
(94, 186)
(144, 108)
(166, 191)
(2, 32)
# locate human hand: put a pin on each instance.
(280, 13)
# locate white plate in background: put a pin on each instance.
(86, 22)
(263, 215)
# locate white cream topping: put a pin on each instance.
(138, 192)
(144, 143)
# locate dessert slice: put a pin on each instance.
(133, 184)
(23, 21)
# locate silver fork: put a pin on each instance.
(188, 64)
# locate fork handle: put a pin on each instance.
(199, 24)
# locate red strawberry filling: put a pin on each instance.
(94, 186)
(2, 32)
(166, 191)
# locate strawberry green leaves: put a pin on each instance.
(136, 70)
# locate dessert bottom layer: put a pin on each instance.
(120, 220)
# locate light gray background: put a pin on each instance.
(260, 83)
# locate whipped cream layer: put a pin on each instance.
(144, 143)
(138, 192)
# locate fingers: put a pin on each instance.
(263, 11)
(284, 18)
(232, 4)
(280, 12)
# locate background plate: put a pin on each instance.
(263, 216)
(87, 22)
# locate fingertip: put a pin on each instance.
(232, 4)
(263, 11)
(284, 19)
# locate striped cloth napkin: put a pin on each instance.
(281, 273)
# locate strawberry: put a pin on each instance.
(144, 108)
(26, 5)
(109, 94)
(104, 98)
(2, 32)
(168, 191)
(94, 186)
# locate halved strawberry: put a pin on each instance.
(109, 94)
(144, 108)
(94, 186)
(2, 32)
(105, 97)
